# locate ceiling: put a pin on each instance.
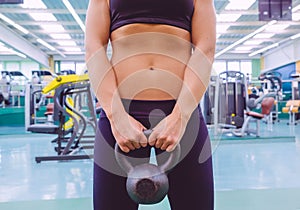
(240, 34)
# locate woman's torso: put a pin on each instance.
(149, 60)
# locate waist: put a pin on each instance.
(144, 108)
(151, 83)
(150, 108)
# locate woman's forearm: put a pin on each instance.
(196, 79)
(103, 83)
(198, 69)
(100, 70)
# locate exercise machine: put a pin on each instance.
(292, 107)
(265, 103)
(272, 84)
(73, 110)
(230, 100)
(209, 101)
(4, 89)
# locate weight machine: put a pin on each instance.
(230, 100)
(69, 117)
(209, 101)
(273, 85)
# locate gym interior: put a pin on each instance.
(48, 113)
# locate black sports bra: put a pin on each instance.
(170, 12)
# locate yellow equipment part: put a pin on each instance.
(63, 79)
(291, 106)
(295, 109)
(285, 109)
(69, 123)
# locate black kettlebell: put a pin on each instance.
(147, 183)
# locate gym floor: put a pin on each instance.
(250, 173)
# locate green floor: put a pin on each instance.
(249, 173)
(264, 199)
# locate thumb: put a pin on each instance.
(143, 141)
(152, 138)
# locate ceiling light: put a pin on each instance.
(67, 43)
(17, 53)
(75, 53)
(60, 36)
(50, 47)
(53, 28)
(264, 49)
(244, 48)
(34, 4)
(3, 48)
(228, 17)
(263, 36)
(296, 36)
(239, 5)
(17, 26)
(71, 49)
(221, 28)
(74, 14)
(296, 8)
(245, 38)
(39, 16)
(277, 28)
(45, 44)
(296, 16)
(253, 42)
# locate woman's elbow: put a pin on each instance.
(88, 52)
(207, 51)
(210, 53)
(91, 48)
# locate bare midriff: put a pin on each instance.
(149, 60)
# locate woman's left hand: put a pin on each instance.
(168, 132)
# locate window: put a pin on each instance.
(246, 69)
(244, 66)
(67, 66)
(80, 67)
(233, 66)
(218, 67)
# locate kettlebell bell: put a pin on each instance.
(147, 183)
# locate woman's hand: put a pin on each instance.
(168, 132)
(128, 132)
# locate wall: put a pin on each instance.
(298, 67)
(283, 55)
(24, 66)
(256, 67)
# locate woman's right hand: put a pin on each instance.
(128, 132)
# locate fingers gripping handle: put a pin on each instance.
(121, 157)
(173, 158)
(147, 133)
(127, 166)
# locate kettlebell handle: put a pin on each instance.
(127, 166)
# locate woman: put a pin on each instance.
(162, 53)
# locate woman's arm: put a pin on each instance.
(198, 70)
(126, 130)
(167, 134)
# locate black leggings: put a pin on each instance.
(191, 180)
